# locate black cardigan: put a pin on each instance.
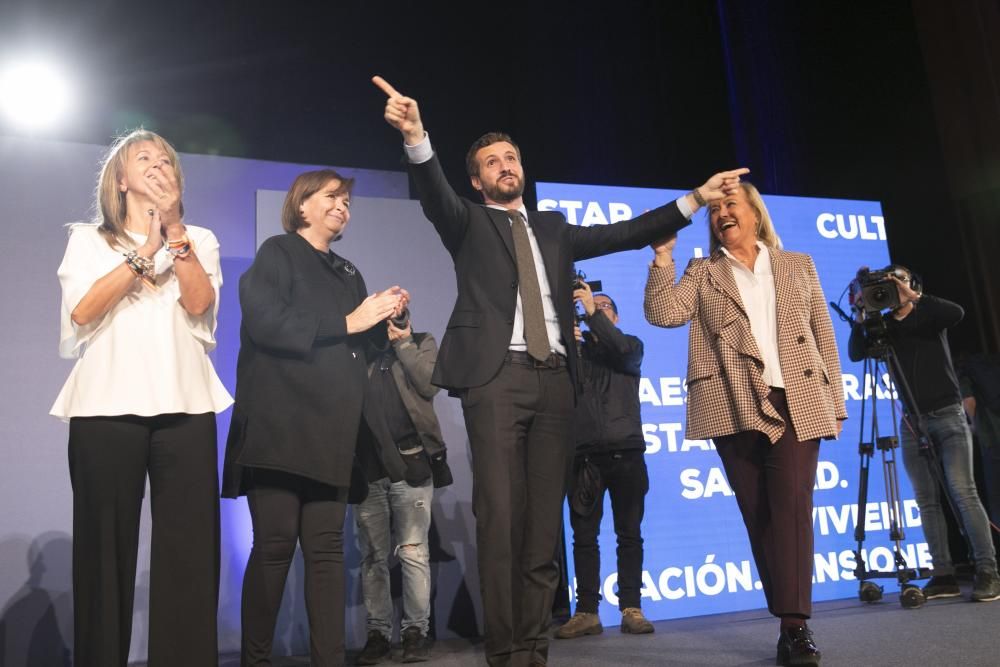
(300, 378)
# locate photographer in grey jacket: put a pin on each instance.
(404, 459)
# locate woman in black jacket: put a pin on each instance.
(300, 384)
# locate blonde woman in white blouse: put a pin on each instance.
(140, 293)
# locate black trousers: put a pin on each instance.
(286, 509)
(624, 475)
(521, 441)
(109, 459)
(773, 485)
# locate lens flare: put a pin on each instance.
(34, 94)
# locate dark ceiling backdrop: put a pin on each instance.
(818, 99)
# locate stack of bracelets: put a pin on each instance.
(142, 267)
(180, 248)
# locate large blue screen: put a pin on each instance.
(697, 557)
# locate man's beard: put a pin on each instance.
(501, 192)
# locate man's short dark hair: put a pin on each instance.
(488, 139)
(614, 306)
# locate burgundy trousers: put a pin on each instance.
(773, 484)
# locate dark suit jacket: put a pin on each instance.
(300, 378)
(482, 247)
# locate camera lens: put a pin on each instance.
(402, 320)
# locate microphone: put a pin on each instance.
(840, 311)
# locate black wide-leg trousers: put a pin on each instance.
(109, 460)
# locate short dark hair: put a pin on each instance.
(488, 139)
(303, 187)
(614, 306)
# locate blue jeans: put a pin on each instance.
(952, 442)
(408, 509)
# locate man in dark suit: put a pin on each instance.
(508, 353)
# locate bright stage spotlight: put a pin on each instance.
(33, 94)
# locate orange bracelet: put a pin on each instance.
(181, 247)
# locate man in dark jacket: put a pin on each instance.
(508, 354)
(917, 330)
(610, 452)
(979, 378)
(403, 456)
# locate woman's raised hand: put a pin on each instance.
(166, 192)
(154, 238)
(374, 309)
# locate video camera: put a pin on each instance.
(871, 292)
(580, 277)
(402, 320)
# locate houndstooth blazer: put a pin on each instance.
(726, 390)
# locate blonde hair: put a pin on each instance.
(110, 208)
(765, 227)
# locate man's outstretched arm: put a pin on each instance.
(442, 206)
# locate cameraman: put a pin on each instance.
(917, 331)
(403, 457)
(610, 451)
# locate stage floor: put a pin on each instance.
(942, 632)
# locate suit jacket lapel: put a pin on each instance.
(330, 271)
(783, 286)
(548, 245)
(721, 275)
(502, 223)
(736, 331)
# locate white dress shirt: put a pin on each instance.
(147, 355)
(422, 152)
(757, 293)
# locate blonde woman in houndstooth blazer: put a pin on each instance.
(763, 383)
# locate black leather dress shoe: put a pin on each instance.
(796, 647)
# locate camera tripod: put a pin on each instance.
(880, 359)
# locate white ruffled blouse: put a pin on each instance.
(147, 355)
